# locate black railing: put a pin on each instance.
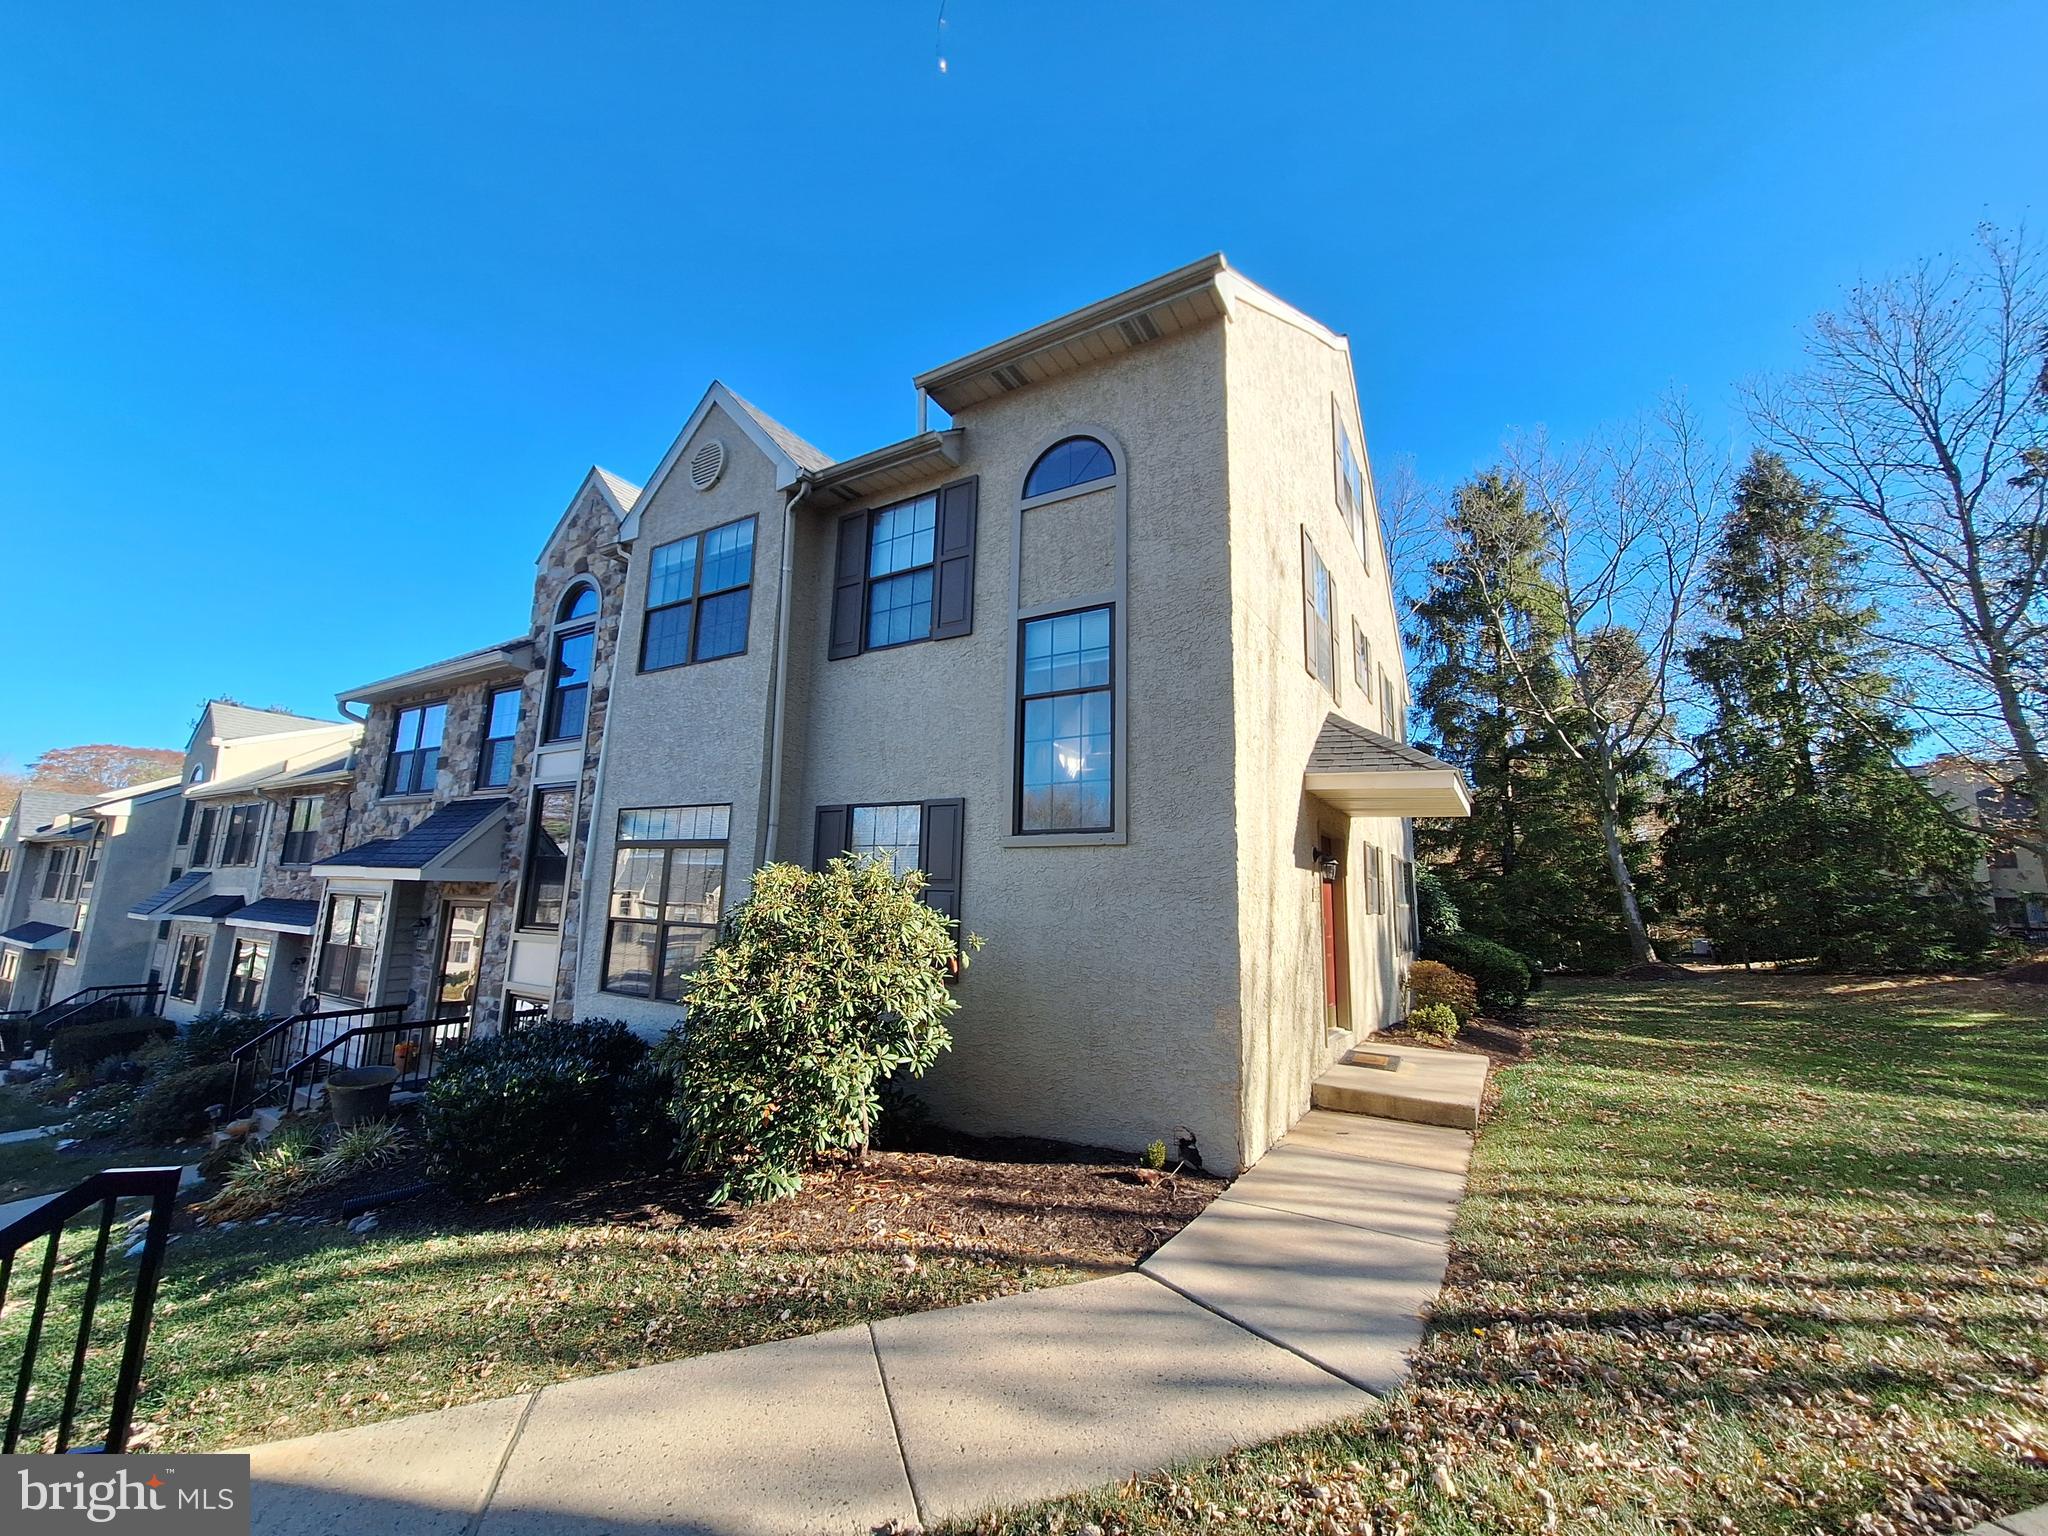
(159, 1186)
(92, 1006)
(262, 1063)
(525, 1011)
(414, 1049)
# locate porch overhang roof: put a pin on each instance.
(458, 842)
(207, 909)
(33, 936)
(275, 914)
(154, 907)
(1364, 773)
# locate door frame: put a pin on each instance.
(437, 1006)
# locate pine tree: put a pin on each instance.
(1797, 835)
(1525, 867)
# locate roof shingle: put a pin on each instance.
(415, 849)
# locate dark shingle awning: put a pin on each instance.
(278, 915)
(1364, 773)
(151, 908)
(455, 842)
(207, 909)
(36, 936)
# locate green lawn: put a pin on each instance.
(1740, 1254)
(38, 1168)
(19, 1110)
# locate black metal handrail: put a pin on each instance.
(90, 1006)
(262, 1062)
(379, 1045)
(525, 1011)
(105, 1189)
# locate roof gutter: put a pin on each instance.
(778, 721)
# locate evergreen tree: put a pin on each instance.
(1525, 868)
(1797, 835)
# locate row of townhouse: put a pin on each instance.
(1110, 654)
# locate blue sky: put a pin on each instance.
(311, 318)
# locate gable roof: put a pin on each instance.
(232, 722)
(623, 491)
(410, 854)
(1365, 773)
(792, 457)
(153, 906)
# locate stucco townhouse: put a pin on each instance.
(218, 922)
(75, 862)
(1109, 652)
(2011, 877)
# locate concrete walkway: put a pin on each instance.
(2032, 1522)
(1290, 1302)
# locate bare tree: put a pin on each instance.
(1924, 408)
(1628, 520)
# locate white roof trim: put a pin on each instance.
(512, 658)
(591, 478)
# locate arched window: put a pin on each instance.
(569, 664)
(198, 773)
(1069, 462)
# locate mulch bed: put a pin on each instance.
(1022, 1201)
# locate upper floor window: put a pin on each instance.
(416, 750)
(569, 665)
(699, 597)
(197, 775)
(185, 824)
(1318, 615)
(900, 554)
(6, 868)
(905, 572)
(668, 889)
(501, 731)
(1071, 461)
(301, 829)
(1393, 717)
(1350, 484)
(202, 837)
(239, 840)
(1067, 732)
(1361, 661)
(92, 864)
(547, 858)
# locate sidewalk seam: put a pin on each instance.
(896, 1429)
(1263, 1338)
(483, 1506)
(1334, 1221)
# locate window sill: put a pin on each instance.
(1112, 839)
(407, 798)
(677, 666)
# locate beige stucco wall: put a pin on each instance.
(1282, 475)
(689, 735)
(1103, 1008)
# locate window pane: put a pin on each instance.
(572, 661)
(629, 959)
(722, 630)
(681, 949)
(406, 735)
(672, 573)
(666, 639)
(675, 824)
(504, 717)
(579, 604)
(570, 704)
(1069, 651)
(1076, 461)
(432, 721)
(497, 763)
(636, 884)
(547, 859)
(888, 832)
(696, 884)
(1069, 763)
(728, 557)
(902, 536)
(900, 609)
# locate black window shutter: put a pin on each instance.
(941, 851)
(831, 836)
(953, 585)
(849, 585)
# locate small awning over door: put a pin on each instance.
(1363, 773)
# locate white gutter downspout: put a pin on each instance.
(775, 729)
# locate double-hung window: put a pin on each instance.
(68, 891)
(699, 597)
(1066, 730)
(501, 732)
(668, 890)
(416, 749)
(901, 548)
(247, 968)
(547, 858)
(1318, 615)
(928, 835)
(238, 842)
(202, 837)
(1361, 661)
(92, 865)
(1350, 485)
(1375, 880)
(569, 665)
(6, 868)
(301, 829)
(348, 952)
(53, 874)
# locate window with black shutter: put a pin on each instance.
(929, 835)
(905, 572)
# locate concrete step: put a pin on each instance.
(1404, 1082)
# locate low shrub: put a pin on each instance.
(215, 1037)
(1436, 911)
(286, 1166)
(1434, 1021)
(1155, 1155)
(105, 1096)
(77, 1048)
(822, 985)
(1501, 975)
(1432, 984)
(175, 1105)
(538, 1105)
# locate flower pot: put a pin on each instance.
(356, 1094)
